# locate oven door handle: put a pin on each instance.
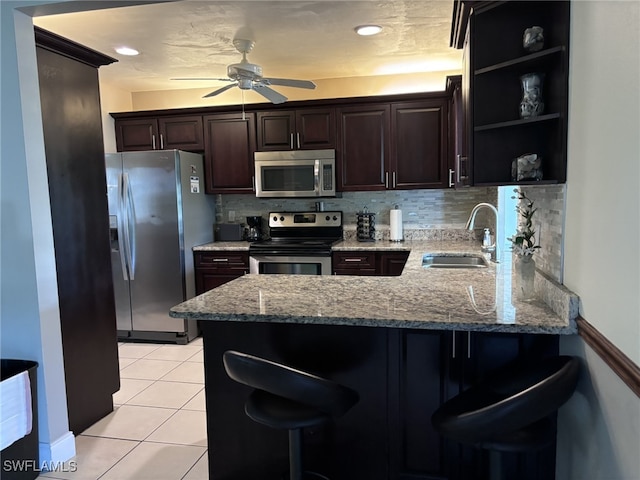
(316, 177)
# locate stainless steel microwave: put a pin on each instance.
(296, 173)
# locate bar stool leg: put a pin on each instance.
(495, 465)
(295, 454)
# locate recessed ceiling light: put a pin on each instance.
(366, 30)
(127, 51)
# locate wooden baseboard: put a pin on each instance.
(622, 365)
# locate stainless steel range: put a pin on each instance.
(300, 244)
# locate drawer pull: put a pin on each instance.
(352, 259)
(220, 259)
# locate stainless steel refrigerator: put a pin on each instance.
(157, 212)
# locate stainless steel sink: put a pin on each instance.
(453, 261)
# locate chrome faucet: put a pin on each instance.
(492, 249)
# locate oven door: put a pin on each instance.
(290, 264)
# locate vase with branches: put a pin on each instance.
(524, 245)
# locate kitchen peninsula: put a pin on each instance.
(405, 343)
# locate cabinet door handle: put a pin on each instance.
(153, 142)
(458, 157)
(468, 344)
(161, 142)
(453, 344)
(253, 183)
(386, 179)
(298, 138)
(394, 180)
(451, 172)
(352, 260)
(291, 141)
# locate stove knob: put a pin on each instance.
(282, 219)
(275, 219)
(335, 218)
(327, 218)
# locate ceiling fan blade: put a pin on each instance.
(269, 93)
(289, 82)
(220, 90)
(204, 79)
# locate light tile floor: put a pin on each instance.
(157, 430)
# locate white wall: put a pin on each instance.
(30, 317)
(325, 88)
(600, 426)
(112, 99)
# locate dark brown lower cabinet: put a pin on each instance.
(213, 269)
(368, 263)
(401, 375)
(72, 127)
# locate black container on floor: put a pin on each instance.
(21, 459)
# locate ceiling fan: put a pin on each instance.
(248, 76)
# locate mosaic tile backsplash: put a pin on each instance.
(426, 214)
(421, 209)
(548, 221)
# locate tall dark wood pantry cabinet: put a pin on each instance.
(72, 123)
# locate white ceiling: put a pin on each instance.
(304, 40)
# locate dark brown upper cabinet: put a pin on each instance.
(305, 129)
(160, 133)
(230, 142)
(419, 145)
(496, 61)
(401, 145)
(363, 147)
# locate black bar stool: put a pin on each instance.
(286, 398)
(511, 412)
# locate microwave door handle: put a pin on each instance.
(316, 177)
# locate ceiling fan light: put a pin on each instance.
(127, 51)
(368, 30)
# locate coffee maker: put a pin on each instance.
(254, 230)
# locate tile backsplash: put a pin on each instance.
(422, 209)
(548, 221)
(426, 214)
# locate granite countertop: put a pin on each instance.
(241, 245)
(441, 299)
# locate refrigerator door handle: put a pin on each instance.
(130, 226)
(120, 229)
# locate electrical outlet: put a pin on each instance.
(232, 215)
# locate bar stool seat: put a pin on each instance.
(511, 412)
(288, 399)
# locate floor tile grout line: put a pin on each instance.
(206, 452)
(175, 410)
(122, 458)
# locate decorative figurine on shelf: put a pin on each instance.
(531, 104)
(526, 167)
(523, 247)
(533, 39)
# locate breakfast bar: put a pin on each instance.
(406, 344)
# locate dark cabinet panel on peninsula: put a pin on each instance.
(402, 377)
(213, 269)
(304, 129)
(160, 133)
(429, 367)
(230, 142)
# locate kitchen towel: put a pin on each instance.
(15, 405)
(396, 234)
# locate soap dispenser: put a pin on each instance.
(486, 241)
